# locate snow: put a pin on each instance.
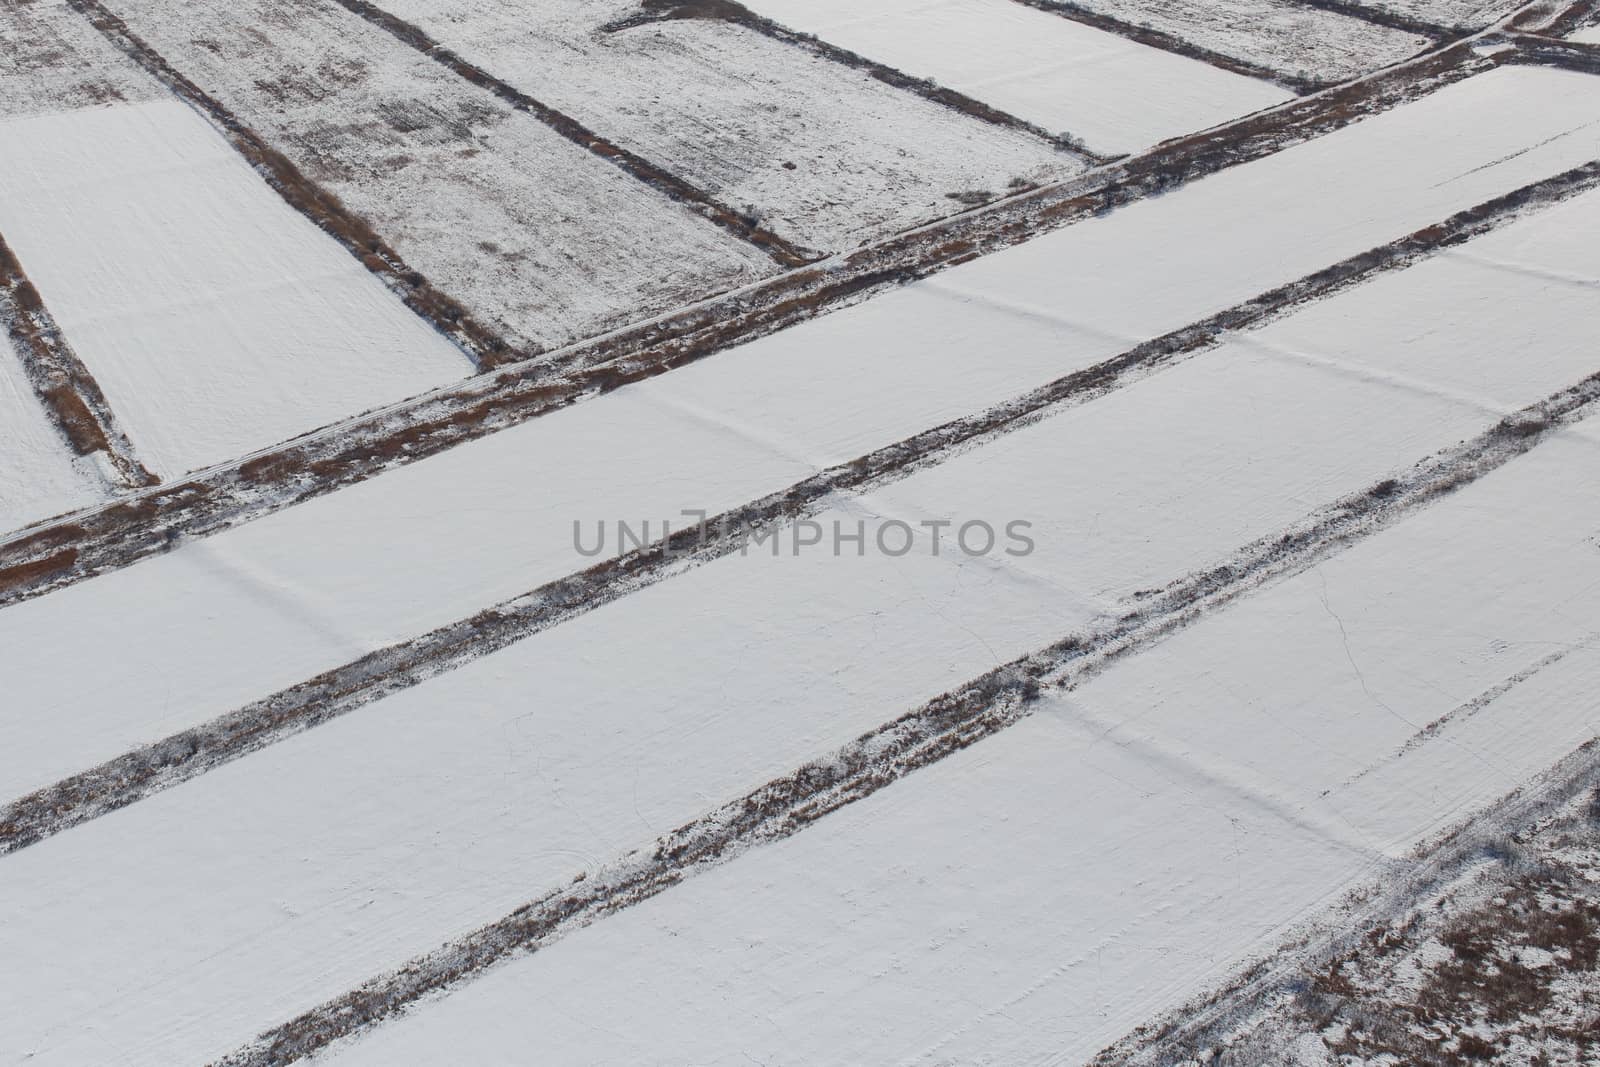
(275, 882)
(1034, 897)
(827, 156)
(1471, 14)
(1116, 95)
(1587, 35)
(39, 477)
(1280, 35)
(51, 59)
(535, 235)
(218, 623)
(216, 319)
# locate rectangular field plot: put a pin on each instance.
(38, 475)
(534, 235)
(209, 627)
(481, 788)
(1285, 37)
(216, 319)
(51, 59)
(1115, 95)
(1127, 847)
(825, 155)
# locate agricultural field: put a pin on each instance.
(907, 531)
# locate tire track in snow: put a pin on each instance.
(190, 753)
(117, 535)
(948, 724)
(657, 177)
(481, 345)
(67, 391)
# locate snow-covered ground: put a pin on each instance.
(1031, 899)
(216, 319)
(53, 60)
(825, 155)
(273, 883)
(1115, 95)
(1280, 35)
(1469, 14)
(224, 621)
(1587, 35)
(39, 476)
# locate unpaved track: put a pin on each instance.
(656, 177)
(739, 15)
(171, 761)
(481, 345)
(945, 725)
(1170, 42)
(153, 521)
(68, 392)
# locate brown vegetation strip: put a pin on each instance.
(1555, 18)
(70, 395)
(1566, 55)
(482, 346)
(154, 521)
(658, 178)
(1171, 42)
(942, 727)
(739, 15)
(176, 759)
(1387, 18)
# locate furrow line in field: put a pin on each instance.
(1171, 42)
(481, 345)
(739, 15)
(154, 521)
(657, 177)
(1469, 849)
(190, 753)
(67, 391)
(1388, 19)
(946, 725)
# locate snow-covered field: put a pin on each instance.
(1114, 94)
(1282, 36)
(217, 320)
(826, 155)
(1285, 436)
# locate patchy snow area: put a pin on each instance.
(1115, 95)
(530, 232)
(1283, 36)
(825, 155)
(1468, 14)
(216, 319)
(51, 59)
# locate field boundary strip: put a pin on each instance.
(71, 398)
(944, 726)
(139, 525)
(188, 754)
(1388, 18)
